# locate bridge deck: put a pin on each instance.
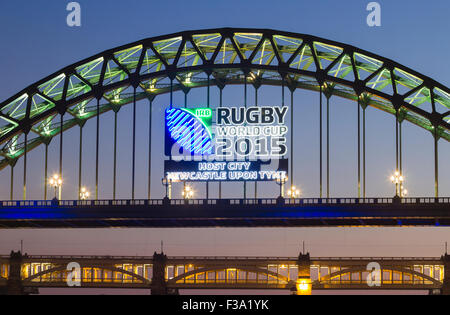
(312, 212)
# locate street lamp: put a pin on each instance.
(56, 182)
(188, 193)
(168, 184)
(303, 287)
(293, 192)
(397, 179)
(84, 194)
(403, 191)
(281, 180)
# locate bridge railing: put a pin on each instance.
(84, 257)
(230, 202)
(215, 258)
(425, 259)
(264, 258)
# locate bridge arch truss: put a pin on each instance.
(219, 57)
(229, 272)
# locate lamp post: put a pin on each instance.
(84, 194)
(188, 193)
(293, 192)
(403, 191)
(281, 180)
(398, 179)
(56, 182)
(168, 184)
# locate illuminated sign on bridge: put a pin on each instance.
(226, 171)
(244, 144)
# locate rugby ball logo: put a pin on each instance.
(190, 128)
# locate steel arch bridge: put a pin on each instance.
(165, 275)
(220, 57)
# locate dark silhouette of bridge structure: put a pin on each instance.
(163, 275)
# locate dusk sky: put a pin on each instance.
(36, 42)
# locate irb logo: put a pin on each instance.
(203, 112)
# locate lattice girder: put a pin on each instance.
(226, 56)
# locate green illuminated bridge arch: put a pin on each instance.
(219, 57)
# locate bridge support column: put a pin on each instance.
(159, 285)
(446, 285)
(14, 284)
(304, 284)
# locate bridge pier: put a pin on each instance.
(14, 285)
(304, 284)
(159, 285)
(446, 285)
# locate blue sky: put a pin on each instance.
(35, 42)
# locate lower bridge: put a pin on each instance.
(163, 275)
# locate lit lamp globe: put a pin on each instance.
(293, 192)
(188, 193)
(56, 182)
(84, 194)
(404, 192)
(397, 179)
